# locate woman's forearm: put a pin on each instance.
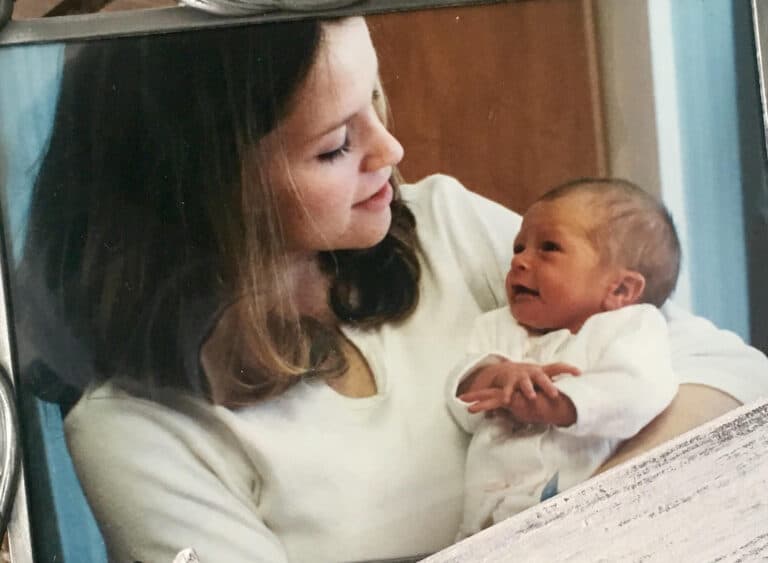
(693, 406)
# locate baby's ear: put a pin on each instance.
(626, 289)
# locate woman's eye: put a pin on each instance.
(518, 248)
(330, 156)
(550, 246)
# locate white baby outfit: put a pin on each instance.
(626, 380)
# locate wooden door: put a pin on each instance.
(505, 96)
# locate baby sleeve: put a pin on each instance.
(495, 337)
(629, 378)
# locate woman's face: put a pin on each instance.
(333, 177)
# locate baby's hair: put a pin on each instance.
(632, 229)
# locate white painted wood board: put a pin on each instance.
(700, 497)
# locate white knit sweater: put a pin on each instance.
(315, 476)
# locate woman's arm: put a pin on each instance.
(706, 355)
(159, 481)
(717, 372)
(693, 406)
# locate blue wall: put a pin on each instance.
(705, 39)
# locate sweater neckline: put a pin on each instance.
(368, 347)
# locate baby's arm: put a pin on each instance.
(490, 368)
(512, 388)
(629, 379)
(717, 373)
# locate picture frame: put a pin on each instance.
(717, 463)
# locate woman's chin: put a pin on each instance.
(360, 239)
(373, 232)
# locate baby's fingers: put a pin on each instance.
(551, 370)
(526, 388)
(544, 383)
(478, 395)
(487, 405)
(483, 400)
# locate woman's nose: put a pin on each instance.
(385, 150)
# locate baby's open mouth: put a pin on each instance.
(522, 290)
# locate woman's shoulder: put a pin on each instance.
(430, 196)
(433, 182)
(109, 403)
(464, 235)
(438, 195)
(446, 210)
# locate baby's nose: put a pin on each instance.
(519, 261)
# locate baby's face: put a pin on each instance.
(556, 279)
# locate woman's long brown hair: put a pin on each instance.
(151, 215)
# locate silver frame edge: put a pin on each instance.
(760, 22)
(19, 531)
(169, 20)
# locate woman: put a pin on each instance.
(270, 334)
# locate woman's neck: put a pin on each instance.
(309, 287)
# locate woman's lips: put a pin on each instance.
(381, 199)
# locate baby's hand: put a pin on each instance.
(493, 386)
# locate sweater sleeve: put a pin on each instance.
(161, 480)
(629, 379)
(706, 355)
